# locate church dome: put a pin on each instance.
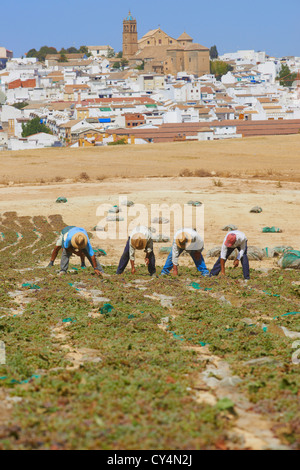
(129, 17)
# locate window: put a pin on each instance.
(159, 41)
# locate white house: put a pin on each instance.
(3, 139)
(32, 142)
(100, 51)
(269, 68)
(9, 112)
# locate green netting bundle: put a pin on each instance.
(115, 210)
(100, 252)
(195, 203)
(277, 251)
(127, 203)
(229, 228)
(107, 308)
(291, 259)
(166, 249)
(255, 253)
(61, 200)
(282, 249)
(161, 238)
(271, 230)
(214, 252)
(268, 252)
(256, 210)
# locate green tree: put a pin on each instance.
(119, 55)
(34, 127)
(124, 62)
(116, 65)
(72, 50)
(84, 50)
(20, 105)
(141, 66)
(32, 53)
(214, 52)
(44, 51)
(62, 58)
(219, 68)
(286, 77)
(110, 53)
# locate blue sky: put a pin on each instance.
(270, 25)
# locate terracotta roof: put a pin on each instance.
(95, 48)
(203, 110)
(184, 37)
(69, 124)
(30, 83)
(267, 100)
(195, 47)
(223, 110)
(205, 129)
(153, 52)
(72, 88)
(207, 89)
(247, 128)
(272, 107)
(126, 100)
(68, 56)
(75, 63)
(55, 74)
(150, 33)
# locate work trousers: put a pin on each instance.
(199, 262)
(244, 260)
(65, 259)
(126, 256)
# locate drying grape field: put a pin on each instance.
(132, 362)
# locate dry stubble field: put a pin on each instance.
(173, 365)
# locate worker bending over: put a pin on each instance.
(186, 239)
(139, 239)
(233, 240)
(77, 242)
(59, 245)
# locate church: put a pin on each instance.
(162, 53)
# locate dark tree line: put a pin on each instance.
(45, 50)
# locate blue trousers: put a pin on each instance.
(200, 263)
(126, 256)
(245, 263)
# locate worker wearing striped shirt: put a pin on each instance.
(233, 240)
(186, 239)
(139, 239)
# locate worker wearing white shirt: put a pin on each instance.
(233, 240)
(186, 239)
(139, 239)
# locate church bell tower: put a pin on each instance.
(130, 37)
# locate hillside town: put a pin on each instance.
(157, 89)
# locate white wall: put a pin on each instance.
(9, 112)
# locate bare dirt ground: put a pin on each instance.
(227, 204)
